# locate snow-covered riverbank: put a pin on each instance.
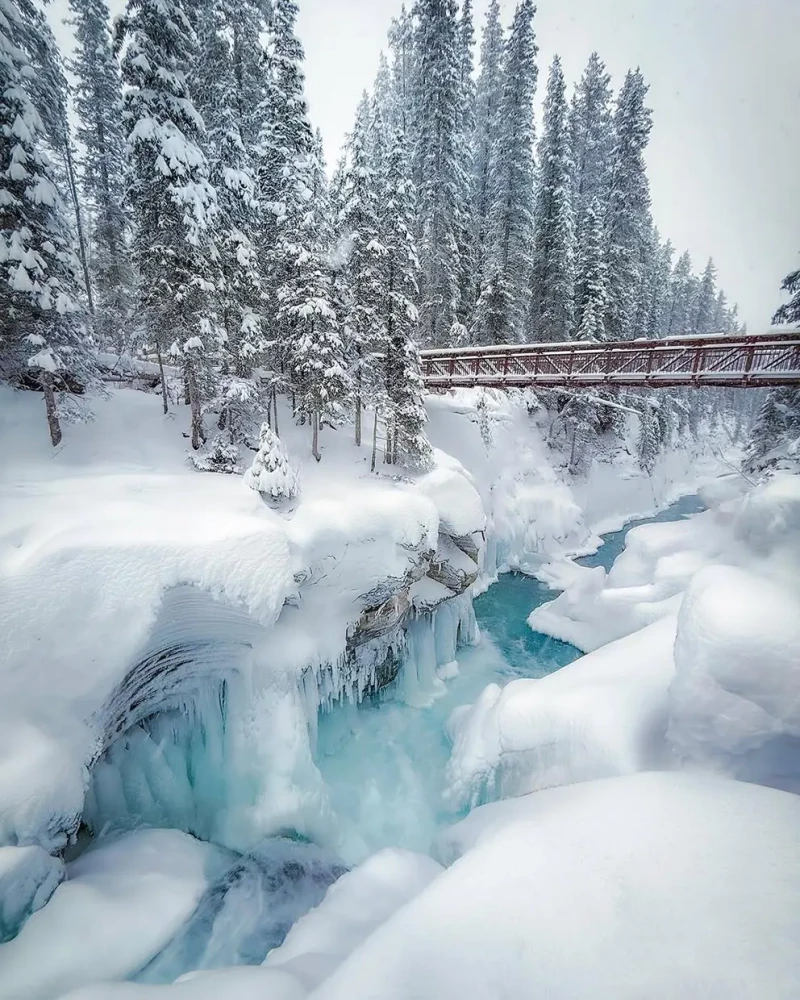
(170, 639)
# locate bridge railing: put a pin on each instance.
(741, 361)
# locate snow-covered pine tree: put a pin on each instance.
(660, 290)
(42, 333)
(406, 440)
(217, 96)
(721, 314)
(628, 214)
(285, 156)
(504, 301)
(172, 200)
(703, 323)
(591, 283)
(98, 103)
(271, 474)
(311, 341)
(358, 225)
(552, 306)
(775, 438)
(591, 139)
(488, 95)
(404, 75)
(439, 169)
(465, 133)
(677, 322)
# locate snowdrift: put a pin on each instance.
(647, 885)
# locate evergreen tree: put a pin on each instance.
(488, 97)
(552, 307)
(591, 284)
(284, 155)
(721, 314)
(465, 132)
(406, 440)
(503, 305)
(789, 312)
(41, 328)
(775, 438)
(172, 200)
(231, 172)
(312, 343)
(678, 318)
(271, 473)
(402, 43)
(438, 166)
(98, 103)
(591, 140)
(706, 301)
(628, 215)
(660, 290)
(359, 228)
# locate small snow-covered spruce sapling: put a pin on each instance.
(271, 473)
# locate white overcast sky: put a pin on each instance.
(724, 157)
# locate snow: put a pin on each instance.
(121, 903)
(643, 886)
(735, 700)
(245, 983)
(354, 907)
(600, 716)
(28, 878)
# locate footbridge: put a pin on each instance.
(768, 360)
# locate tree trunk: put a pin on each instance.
(315, 434)
(73, 189)
(358, 409)
(50, 407)
(374, 440)
(275, 409)
(194, 404)
(164, 398)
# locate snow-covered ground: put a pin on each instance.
(169, 637)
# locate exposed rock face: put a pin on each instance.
(452, 567)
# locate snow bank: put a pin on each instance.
(246, 983)
(353, 908)
(644, 886)
(735, 700)
(600, 716)
(121, 903)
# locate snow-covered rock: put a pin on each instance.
(244, 983)
(653, 885)
(28, 878)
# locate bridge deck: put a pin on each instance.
(733, 361)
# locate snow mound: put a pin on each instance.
(735, 699)
(600, 716)
(643, 886)
(245, 983)
(361, 901)
(457, 501)
(121, 903)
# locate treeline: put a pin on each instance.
(190, 218)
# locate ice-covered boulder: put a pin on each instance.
(655, 885)
(28, 878)
(602, 715)
(735, 699)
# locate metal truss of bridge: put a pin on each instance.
(731, 361)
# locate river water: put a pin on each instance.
(384, 762)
